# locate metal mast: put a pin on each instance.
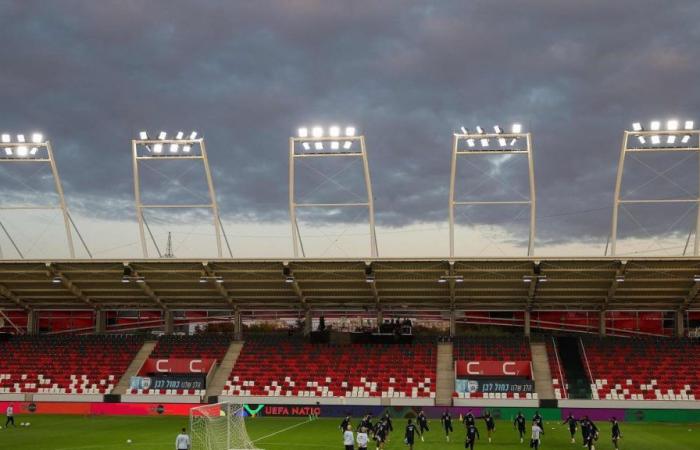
(335, 145)
(498, 143)
(180, 147)
(18, 150)
(676, 138)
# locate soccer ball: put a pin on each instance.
(27, 424)
(128, 441)
(21, 424)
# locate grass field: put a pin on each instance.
(158, 433)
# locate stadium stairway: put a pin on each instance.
(540, 371)
(578, 382)
(445, 383)
(134, 367)
(218, 381)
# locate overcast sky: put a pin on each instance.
(246, 74)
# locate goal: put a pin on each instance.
(219, 426)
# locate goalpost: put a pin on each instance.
(219, 426)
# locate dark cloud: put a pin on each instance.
(246, 74)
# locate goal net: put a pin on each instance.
(220, 426)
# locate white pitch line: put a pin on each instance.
(283, 430)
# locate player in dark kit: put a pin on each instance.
(387, 421)
(573, 424)
(366, 422)
(472, 436)
(616, 433)
(446, 420)
(410, 435)
(519, 423)
(422, 424)
(490, 424)
(591, 433)
(380, 433)
(344, 424)
(537, 418)
(468, 419)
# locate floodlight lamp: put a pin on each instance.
(349, 131)
(620, 278)
(143, 135)
(193, 135)
(303, 132)
(513, 141)
(689, 124)
(179, 135)
(464, 130)
(637, 126)
(306, 146)
(186, 148)
(685, 138)
(8, 151)
(479, 130)
(497, 129)
(347, 145)
(655, 125)
(318, 145)
(33, 151)
(20, 138)
(334, 131)
(162, 135)
(22, 150)
(157, 148)
(5, 138)
(502, 142)
(655, 139)
(56, 280)
(642, 139)
(335, 145)
(671, 139)
(517, 128)
(470, 142)
(484, 142)
(173, 148)
(672, 125)
(442, 280)
(317, 132)
(37, 138)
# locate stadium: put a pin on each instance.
(421, 257)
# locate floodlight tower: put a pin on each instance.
(315, 144)
(677, 137)
(181, 147)
(17, 150)
(466, 143)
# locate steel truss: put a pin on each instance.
(185, 148)
(305, 147)
(466, 144)
(684, 139)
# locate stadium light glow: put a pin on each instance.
(685, 139)
(22, 150)
(517, 128)
(334, 131)
(655, 139)
(33, 151)
(464, 130)
(303, 132)
(335, 145)
(484, 142)
(193, 135)
(318, 145)
(642, 139)
(317, 132)
(186, 148)
(672, 125)
(20, 138)
(349, 131)
(513, 141)
(671, 139)
(306, 146)
(497, 129)
(637, 126)
(157, 148)
(620, 278)
(174, 148)
(655, 125)
(689, 124)
(37, 138)
(347, 145)
(5, 138)
(8, 151)
(143, 135)
(479, 130)
(502, 142)
(470, 142)
(162, 135)
(179, 135)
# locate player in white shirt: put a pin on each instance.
(535, 437)
(10, 416)
(349, 438)
(182, 441)
(362, 439)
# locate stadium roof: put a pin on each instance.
(469, 284)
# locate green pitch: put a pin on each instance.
(158, 433)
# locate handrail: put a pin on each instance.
(561, 375)
(588, 366)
